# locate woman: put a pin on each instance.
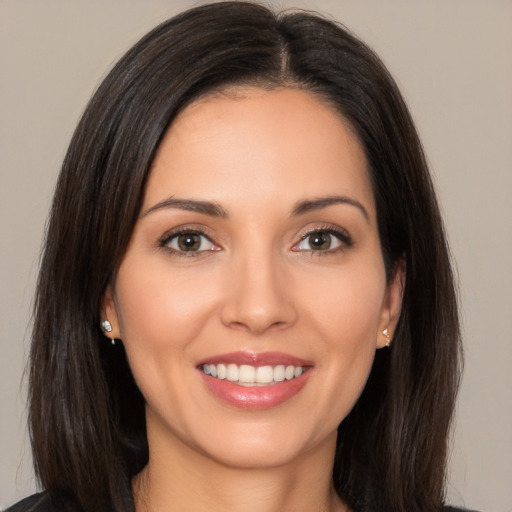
(245, 300)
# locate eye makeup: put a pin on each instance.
(188, 241)
(324, 240)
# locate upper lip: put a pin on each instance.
(256, 359)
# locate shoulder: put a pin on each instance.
(42, 502)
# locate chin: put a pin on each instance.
(266, 446)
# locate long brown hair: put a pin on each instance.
(86, 414)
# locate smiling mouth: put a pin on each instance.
(247, 375)
(257, 381)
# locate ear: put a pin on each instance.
(109, 312)
(392, 305)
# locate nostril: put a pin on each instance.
(260, 327)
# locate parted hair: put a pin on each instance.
(86, 414)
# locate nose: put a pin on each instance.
(259, 296)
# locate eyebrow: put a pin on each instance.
(191, 205)
(323, 202)
(216, 210)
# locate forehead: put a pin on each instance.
(254, 142)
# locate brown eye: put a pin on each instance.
(323, 240)
(189, 241)
(320, 241)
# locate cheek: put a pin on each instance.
(153, 303)
(348, 304)
(160, 315)
(347, 313)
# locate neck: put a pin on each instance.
(182, 479)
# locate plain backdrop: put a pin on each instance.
(453, 62)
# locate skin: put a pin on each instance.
(256, 284)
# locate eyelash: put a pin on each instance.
(168, 237)
(340, 234)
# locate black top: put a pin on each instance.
(42, 503)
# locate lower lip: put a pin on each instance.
(257, 397)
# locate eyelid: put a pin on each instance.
(167, 237)
(340, 233)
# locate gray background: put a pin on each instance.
(452, 60)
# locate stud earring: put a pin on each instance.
(106, 326)
(385, 332)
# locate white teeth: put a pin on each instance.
(232, 372)
(264, 374)
(221, 371)
(246, 374)
(279, 373)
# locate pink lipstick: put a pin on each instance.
(255, 380)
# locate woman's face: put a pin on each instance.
(253, 295)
